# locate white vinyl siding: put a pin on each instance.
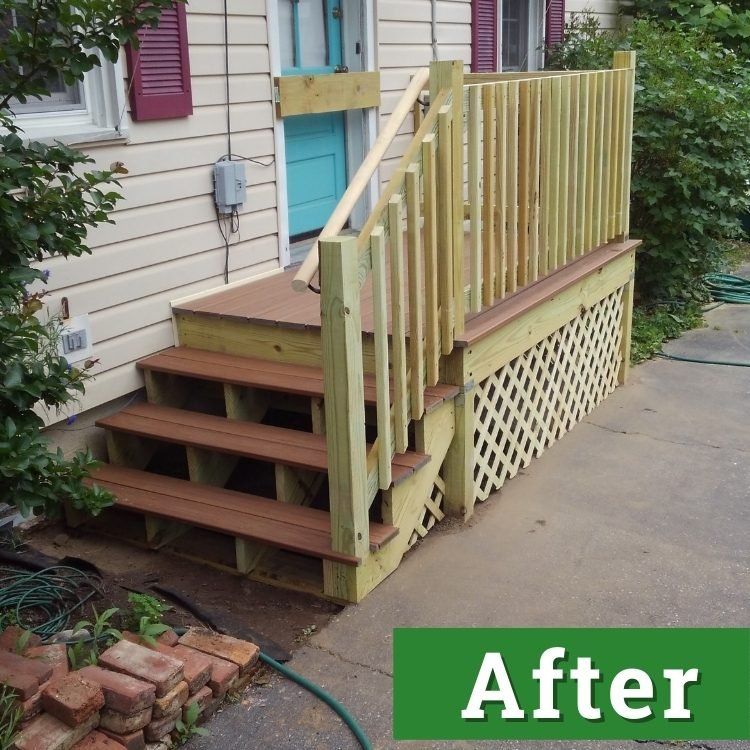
(606, 10)
(165, 243)
(405, 44)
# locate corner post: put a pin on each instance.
(458, 468)
(450, 75)
(341, 337)
(625, 60)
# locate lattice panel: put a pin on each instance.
(539, 396)
(431, 514)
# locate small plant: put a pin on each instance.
(655, 325)
(86, 652)
(22, 642)
(10, 715)
(145, 606)
(149, 631)
(187, 726)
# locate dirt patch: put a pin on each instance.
(286, 617)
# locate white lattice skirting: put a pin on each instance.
(540, 395)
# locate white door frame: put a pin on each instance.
(358, 25)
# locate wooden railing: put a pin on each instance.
(548, 173)
(539, 165)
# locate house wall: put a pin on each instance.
(165, 243)
(608, 11)
(405, 44)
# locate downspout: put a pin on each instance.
(433, 31)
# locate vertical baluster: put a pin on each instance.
(524, 157)
(554, 162)
(545, 180)
(414, 258)
(598, 158)
(382, 375)
(488, 187)
(582, 142)
(502, 265)
(607, 155)
(445, 231)
(432, 316)
(475, 201)
(591, 160)
(512, 190)
(398, 325)
(534, 177)
(564, 174)
(570, 249)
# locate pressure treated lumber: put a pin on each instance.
(292, 527)
(246, 439)
(361, 179)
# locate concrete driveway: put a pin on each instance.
(639, 517)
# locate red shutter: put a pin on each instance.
(484, 36)
(160, 69)
(554, 22)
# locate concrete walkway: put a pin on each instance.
(639, 517)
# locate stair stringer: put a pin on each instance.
(403, 506)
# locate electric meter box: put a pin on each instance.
(230, 185)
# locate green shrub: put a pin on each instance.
(728, 22)
(691, 148)
(48, 202)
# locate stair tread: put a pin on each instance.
(301, 380)
(293, 527)
(247, 439)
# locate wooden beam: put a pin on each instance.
(341, 335)
(305, 95)
(432, 314)
(382, 376)
(414, 273)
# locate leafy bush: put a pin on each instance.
(48, 202)
(691, 150)
(728, 22)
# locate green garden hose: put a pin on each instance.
(53, 593)
(725, 287)
(327, 698)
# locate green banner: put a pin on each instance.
(598, 683)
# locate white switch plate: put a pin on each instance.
(77, 325)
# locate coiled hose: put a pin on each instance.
(725, 287)
(53, 593)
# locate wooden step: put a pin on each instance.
(277, 445)
(292, 527)
(258, 373)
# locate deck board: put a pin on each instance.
(272, 301)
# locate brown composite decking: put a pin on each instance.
(272, 300)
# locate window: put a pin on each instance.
(87, 111)
(505, 35)
(514, 38)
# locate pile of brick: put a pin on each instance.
(132, 699)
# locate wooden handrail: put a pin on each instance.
(413, 151)
(359, 182)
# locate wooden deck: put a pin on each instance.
(273, 301)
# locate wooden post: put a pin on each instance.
(458, 467)
(626, 328)
(341, 335)
(443, 75)
(626, 59)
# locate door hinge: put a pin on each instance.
(337, 13)
(276, 95)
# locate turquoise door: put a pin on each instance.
(315, 144)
